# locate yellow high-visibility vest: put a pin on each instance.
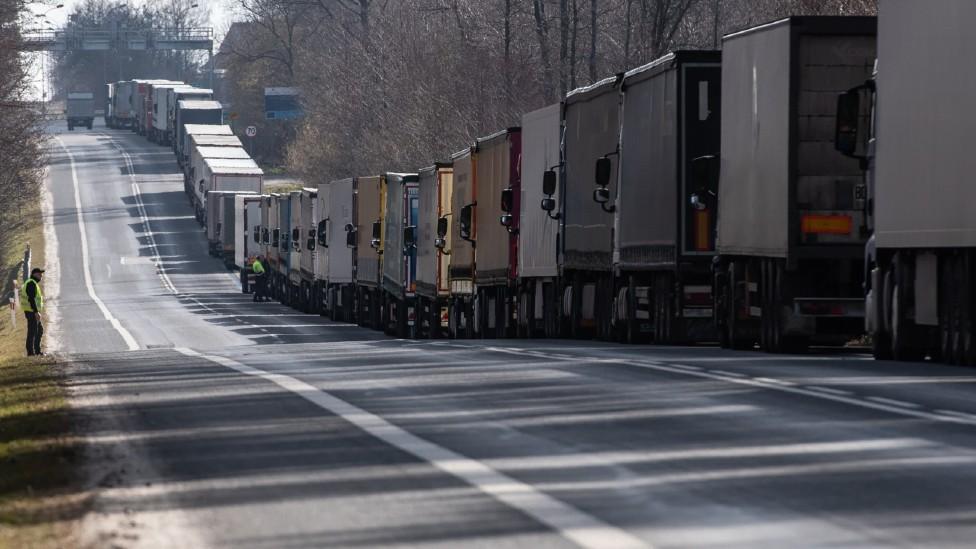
(25, 301)
(257, 267)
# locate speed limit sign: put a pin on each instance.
(251, 131)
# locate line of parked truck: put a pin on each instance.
(706, 196)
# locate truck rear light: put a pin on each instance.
(829, 307)
(827, 224)
(702, 236)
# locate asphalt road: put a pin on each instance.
(214, 421)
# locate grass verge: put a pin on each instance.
(39, 459)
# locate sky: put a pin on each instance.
(221, 16)
(220, 12)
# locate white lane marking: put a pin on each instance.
(571, 523)
(729, 374)
(86, 268)
(686, 367)
(960, 415)
(144, 217)
(893, 402)
(792, 388)
(828, 390)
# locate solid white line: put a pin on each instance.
(86, 268)
(893, 402)
(730, 374)
(828, 390)
(571, 523)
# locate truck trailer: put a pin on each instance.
(336, 238)
(496, 243)
(664, 217)
(173, 98)
(190, 112)
(433, 249)
(463, 218)
(400, 254)
(158, 116)
(921, 257)
(121, 115)
(791, 223)
(80, 109)
(222, 225)
(309, 253)
(190, 130)
(592, 120)
(538, 267)
(227, 174)
(247, 236)
(370, 205)
(142, 103)
(198, 171)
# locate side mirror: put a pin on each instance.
(296, 235)
(323, 237)
(549, 183)
(603, 169)
(464, 222)
(442, 227)
(506, 220)
(601, 195)
(440, 243)
(351, 238)
(276, 238)
(704, 171)
(548, 204)
(257, 234)
(201, 185)
(349, 228)
(508, 200)
(848, 118)
(265, 236)
(409, 237)
(310, 244)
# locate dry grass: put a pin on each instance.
(39, 460)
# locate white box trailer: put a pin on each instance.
(159, 112)
(143, 103)
(247, 235)
(270, 238)
(189, 130)
(309, 251)
(198, 155)
(171, 101)
(336, 237)
(221, 224)
(293, 272)
(538, 268)
(921, 256)
(229, 174)
(433, 248)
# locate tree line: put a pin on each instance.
(21, 134)
(392, 85)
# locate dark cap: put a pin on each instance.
(36, 270)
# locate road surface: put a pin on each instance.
(216, 422)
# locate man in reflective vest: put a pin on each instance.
(260, 279)
(32, 303)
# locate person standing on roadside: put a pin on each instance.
(260, 279)
(32, 303)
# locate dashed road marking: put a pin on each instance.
(828, 390)
(893, 402)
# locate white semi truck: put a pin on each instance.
(920, 261)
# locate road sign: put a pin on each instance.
(251, 131)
